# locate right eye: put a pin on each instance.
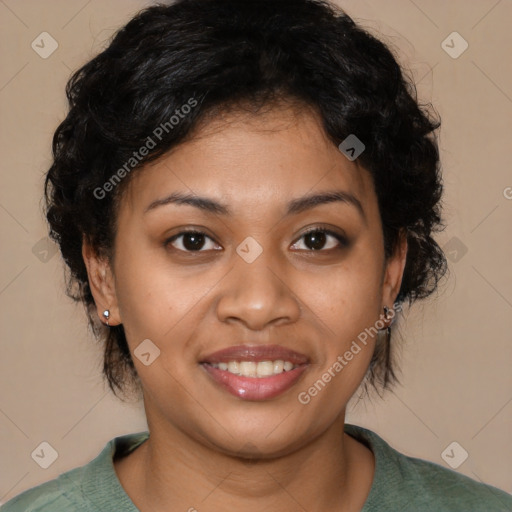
(191, 241)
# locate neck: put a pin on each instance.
(172, 471)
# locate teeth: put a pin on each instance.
(233, 367)
(265, 369)
(248, 368)
(278, 366)
(258, 370)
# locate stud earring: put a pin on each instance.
(106, 315)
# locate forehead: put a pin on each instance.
(249, 159)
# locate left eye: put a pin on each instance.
(316, 239)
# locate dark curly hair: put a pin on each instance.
(219, 55)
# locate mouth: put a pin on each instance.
(255, 372)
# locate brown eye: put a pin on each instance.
(192, 241)
(316, 239)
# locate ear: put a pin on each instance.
(102, 284)
(394, 270)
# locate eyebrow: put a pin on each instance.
(294, 207)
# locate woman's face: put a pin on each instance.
(252, 278)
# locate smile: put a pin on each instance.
(255, 388)
(255, 372)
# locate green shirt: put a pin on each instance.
(400, 483)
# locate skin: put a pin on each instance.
(209, 449)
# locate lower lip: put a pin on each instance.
(255, 388)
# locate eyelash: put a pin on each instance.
(343, 242)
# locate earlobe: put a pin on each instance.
(102, 285)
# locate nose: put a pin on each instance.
(258, 294)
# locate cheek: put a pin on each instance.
(162, 302)
(345, 309)
(347, 298)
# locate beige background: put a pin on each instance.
(457, 348)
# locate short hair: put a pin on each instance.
(215, 55)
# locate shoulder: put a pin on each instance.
(433, 485)
(58, 495)
(90, 488)
(408, 483)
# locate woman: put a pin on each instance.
(245, 193)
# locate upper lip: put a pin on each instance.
(255, 353)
